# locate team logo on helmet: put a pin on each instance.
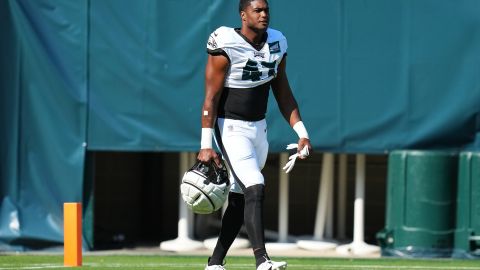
(205, 187)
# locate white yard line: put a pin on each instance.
(333, 266)
(35, 266)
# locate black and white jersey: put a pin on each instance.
(249, 67)
(246, 87)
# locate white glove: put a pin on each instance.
(303, 153)
(291, 160)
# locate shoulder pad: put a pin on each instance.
(277, 41)
(275, 35)
(220, 38)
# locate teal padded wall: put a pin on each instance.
(44, 118)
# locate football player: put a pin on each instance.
(243, 64)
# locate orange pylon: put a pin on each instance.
(72, 238)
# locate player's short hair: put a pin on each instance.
(242, 4)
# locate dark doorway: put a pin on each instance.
(135, 198)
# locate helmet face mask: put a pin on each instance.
(205, 187)
(213, 173)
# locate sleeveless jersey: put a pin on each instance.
(247, 82)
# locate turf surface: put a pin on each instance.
(99, 262)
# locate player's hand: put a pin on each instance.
(208, 154)
(304, 148)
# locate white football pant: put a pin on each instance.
(244, 147)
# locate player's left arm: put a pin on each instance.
(288, 105)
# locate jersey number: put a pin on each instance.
(251, 72)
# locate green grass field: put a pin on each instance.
(233, 263)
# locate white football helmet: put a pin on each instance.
(205, 187)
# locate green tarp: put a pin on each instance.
(44, 113)
(77, 75)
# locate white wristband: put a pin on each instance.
(206, 141)
(300, 129)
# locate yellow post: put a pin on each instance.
(72, 238)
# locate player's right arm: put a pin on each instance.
(215, 72)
